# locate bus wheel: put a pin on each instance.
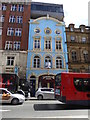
(40, 97)
(15, 101)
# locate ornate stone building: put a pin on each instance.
(47, 51)
(78, 46)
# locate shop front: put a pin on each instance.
(46, 81)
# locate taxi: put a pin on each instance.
(8, 97)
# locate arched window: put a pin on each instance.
(47, 62)
(36, 63)
(59, 62)
(74, 56)
(85, 55)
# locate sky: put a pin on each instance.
(75, 11)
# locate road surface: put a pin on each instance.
(44, 110)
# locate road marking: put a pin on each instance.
(4, 110)
(81, 116)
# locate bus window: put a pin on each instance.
(86, 84)
(78, 84)
(82, 84)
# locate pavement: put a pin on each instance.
(31, 98)
(34, 98)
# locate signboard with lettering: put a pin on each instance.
(48, 77)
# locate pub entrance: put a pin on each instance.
(46, 81)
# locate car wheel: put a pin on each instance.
(40, 97)
(15, 101)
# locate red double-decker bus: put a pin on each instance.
(73, 88)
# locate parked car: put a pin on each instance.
(8, 97)
(45, 93)
(21, 92)
(25, 93)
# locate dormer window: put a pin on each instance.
(71, 29)
(82, 30)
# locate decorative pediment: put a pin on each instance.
(36, 21)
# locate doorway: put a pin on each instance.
(32, 86)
